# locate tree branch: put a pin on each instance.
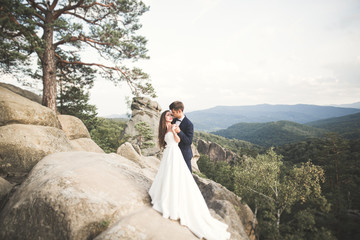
(83, 39)
(261, 194)
(67, 8)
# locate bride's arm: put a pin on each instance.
(176, 136)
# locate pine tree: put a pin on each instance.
(50, 30)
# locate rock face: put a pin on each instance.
(215, 151)
(147, 111)
(82, 195)
(17, 109)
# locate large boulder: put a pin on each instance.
(149, 164)
(17, 109)
(78, 134)
(22, 92)
(73, 127)
(77, 195)
(145, 111)
(82, 195)
(22, 146)
(86, 145)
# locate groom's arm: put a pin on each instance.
(186, 134)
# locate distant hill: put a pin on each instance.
(347, 126)
(351, 105)
(271, 133)
(221, 117)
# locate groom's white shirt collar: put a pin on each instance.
(178, 121)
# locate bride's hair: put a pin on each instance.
(162, 129)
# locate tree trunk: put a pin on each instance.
(48, 62)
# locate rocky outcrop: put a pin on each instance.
(30, 131)
(215, 151)
(82, 195)
(22, 92)
(71, 194)
(78, 134)
(17, 109)
(143, 111)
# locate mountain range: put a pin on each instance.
(284, 132)
(221, 117)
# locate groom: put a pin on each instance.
(185, 130)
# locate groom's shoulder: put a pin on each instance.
(188, 120)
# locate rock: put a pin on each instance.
(228, 206)
(78, 134)
(147, 224)
(77, 195)
(22, 146)
(17, 109)
(147, 111)
(5, 188)
(216, 152)
(127, 151)
(195, 158)
(150, 163)
(73, 127)
(82, 195)
(25, 93)
(86, 145)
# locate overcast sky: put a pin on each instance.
(244, 52)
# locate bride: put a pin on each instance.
(174, 191)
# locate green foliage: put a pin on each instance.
(145, 136)
(107, 134)
(271, 133)
(340, 160)
(220, 172)
(273, 191)
(346, 126)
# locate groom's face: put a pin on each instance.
(176, 113)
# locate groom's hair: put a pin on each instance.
(177, 105)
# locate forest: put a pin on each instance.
(301, 190)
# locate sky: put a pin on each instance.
(207, 53)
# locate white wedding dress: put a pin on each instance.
(176, 195)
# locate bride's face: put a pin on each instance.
(168, 117)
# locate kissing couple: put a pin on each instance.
(174, 192)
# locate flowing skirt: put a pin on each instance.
(176, 195)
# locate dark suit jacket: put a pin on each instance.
(186, 137)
